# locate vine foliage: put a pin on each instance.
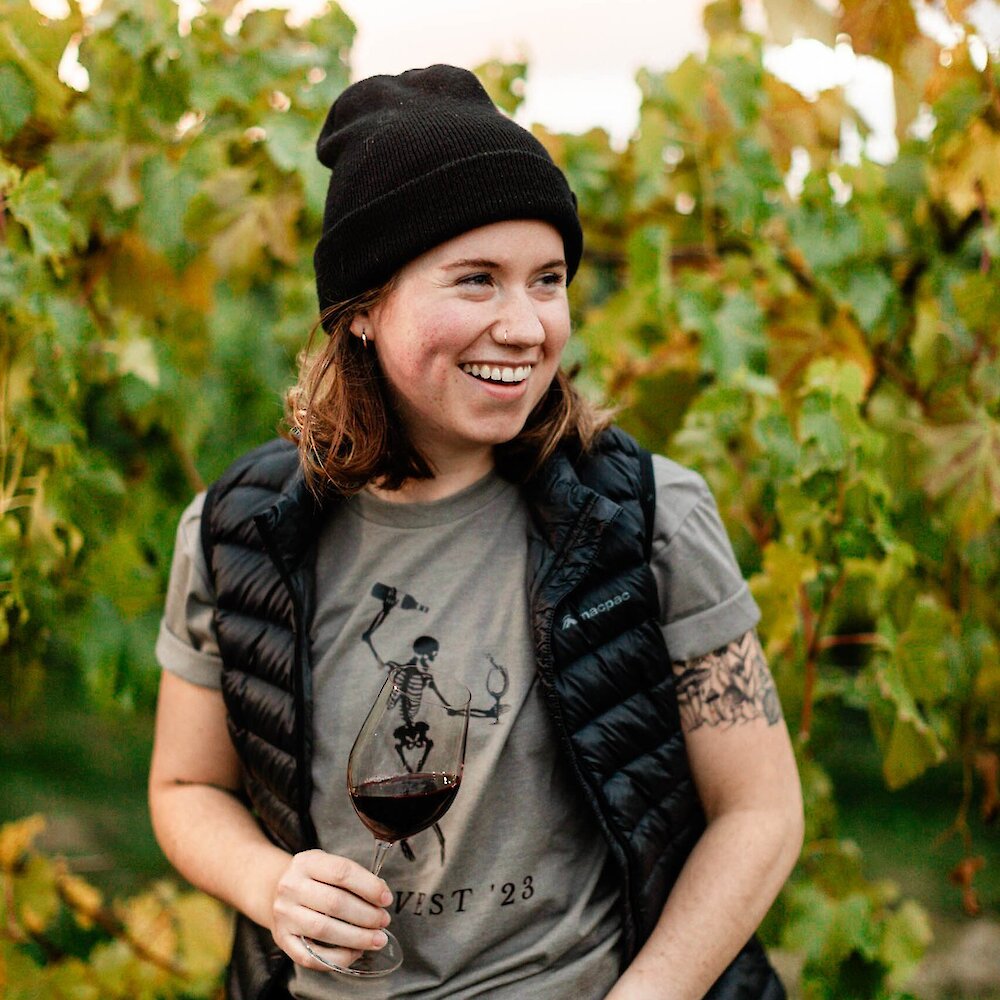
(817, 334)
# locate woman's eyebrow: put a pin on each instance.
(486, 265)
(470, 262)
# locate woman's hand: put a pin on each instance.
(333, 902)
(214, 842)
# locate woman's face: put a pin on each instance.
(471, 335)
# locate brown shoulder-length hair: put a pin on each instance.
(349, 432)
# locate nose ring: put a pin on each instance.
(505, 344)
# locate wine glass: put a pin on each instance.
(403, 774)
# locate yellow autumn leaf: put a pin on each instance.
(913, 748)
(798, 338)
(777, 590)
(963, 468)
(17, 838)
(880, 28)
(205, 934)
(36, 901)
(82, 898)
(969, 175)
(149, 920)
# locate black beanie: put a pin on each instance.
(418, 159)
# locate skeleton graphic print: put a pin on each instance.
(414, 680)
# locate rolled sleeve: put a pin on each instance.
(186, 644)
(177, 656)
(704, 600)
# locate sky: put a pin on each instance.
(583, 55)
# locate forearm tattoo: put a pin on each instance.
(729, 685)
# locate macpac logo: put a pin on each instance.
(598, 609)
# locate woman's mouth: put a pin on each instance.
(498, 373)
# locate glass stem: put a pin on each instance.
(381, 850)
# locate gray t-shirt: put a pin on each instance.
(512, 896)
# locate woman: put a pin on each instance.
(449, 506)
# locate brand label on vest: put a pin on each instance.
(598, 609)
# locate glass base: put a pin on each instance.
(371, 964)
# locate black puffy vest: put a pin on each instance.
(604, 670)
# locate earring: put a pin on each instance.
(364, 340)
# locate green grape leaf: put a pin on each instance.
(17, 100)
(853, 929)
(36, 204)
(825, 239)
(35, 45)
(977, 301)
(811, 918)
(734, 339)
(869, 291)
(912, 748)
(290, 139)
(927, 650)
(906, 936)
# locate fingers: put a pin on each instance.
(340, 903)
(332, 931)
(334, 870)
(313, 955)
(328, 909)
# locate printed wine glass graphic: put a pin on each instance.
(395, 800)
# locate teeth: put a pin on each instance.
(497, 374)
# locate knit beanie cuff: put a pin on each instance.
(364, 248)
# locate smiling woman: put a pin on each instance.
(470, 345)
(448, 508)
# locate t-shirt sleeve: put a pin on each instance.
(186, 645)
(704, 600)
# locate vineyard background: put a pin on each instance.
(817, 334)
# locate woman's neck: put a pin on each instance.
(450, 477)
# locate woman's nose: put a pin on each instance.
(519, 326)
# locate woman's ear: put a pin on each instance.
(361, 323)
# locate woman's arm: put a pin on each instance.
(212, 840)
(744, 769)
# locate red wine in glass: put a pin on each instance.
(403, 774)
(399, 807)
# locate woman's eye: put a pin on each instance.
(553, 278)
(480, 280)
